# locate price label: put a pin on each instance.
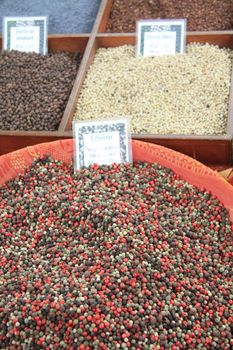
(160, 37)
(101, 142)
(28, 34)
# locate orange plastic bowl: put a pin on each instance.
(189, 169)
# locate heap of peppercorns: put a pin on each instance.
(113, 257)
(35, 88)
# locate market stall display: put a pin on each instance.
(121, 256)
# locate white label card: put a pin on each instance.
(101, 142)
(102, 148)
(28, 34)
(160, 37)
(25, 39)
(159, 43)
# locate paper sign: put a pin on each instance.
(101, 142)
(160, 37)
(28, 34)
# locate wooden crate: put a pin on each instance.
(13, 140)
(212, 150)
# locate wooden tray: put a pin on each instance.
(13, 140)
(211, 150)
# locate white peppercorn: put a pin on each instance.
(178, 94)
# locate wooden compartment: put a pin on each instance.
(211, 150)
(103, 15)
(13, 140)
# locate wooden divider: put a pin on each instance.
(102, 16)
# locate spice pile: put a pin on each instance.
(200, 14)
(177, 94)
(34, 89)
(113, 257)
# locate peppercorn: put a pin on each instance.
(164, 102)
(65, 283)
(35, 88)
(200, 14)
